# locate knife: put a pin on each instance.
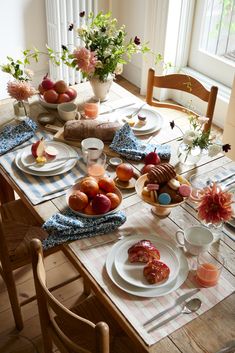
(178, 301)
(114, 109)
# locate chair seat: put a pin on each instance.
(20, 227)
(92, 310)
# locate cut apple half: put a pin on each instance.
(51, 152)
(38, 148)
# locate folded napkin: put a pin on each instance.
(126, 144)
(14, 135)
(68, 226)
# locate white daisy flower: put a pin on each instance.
(189, 137)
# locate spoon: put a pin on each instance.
(190, 307)
(135, 112)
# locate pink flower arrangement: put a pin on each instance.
(215, 205)
(20, 90)
(86, 60)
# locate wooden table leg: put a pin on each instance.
(6, 191)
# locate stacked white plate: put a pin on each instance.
(153, 120)
(129, 276)
(25, 160)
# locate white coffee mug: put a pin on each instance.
(196, 239)
(68, 111)
(92, 146)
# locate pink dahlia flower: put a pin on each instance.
(20, 90)
(215, 205)
(86, 60)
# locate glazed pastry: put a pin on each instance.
(143, 251)
(174, 184)
(156, 271)
(164, 199)
(184, 190)
(161, 173)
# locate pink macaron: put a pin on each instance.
(184, 190)
(152, 187)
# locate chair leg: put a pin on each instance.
(13, 296)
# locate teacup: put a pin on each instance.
(196, 239)
(92, 146)
(68, 111)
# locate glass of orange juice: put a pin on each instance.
(91, 108)
(96, 166)
(208, 269)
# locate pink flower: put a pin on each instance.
(20, 90)
(215, 205)
(86, 60)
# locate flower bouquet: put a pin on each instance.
(195, 140)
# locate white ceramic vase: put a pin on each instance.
(101, 88)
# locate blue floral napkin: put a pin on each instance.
(68, 226)
(126, 144)
(14, 135)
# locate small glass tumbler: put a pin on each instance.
(91, 108)
(96, 165)
(208, 269)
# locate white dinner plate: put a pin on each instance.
(133, 272)
(147, 292)
(64, 168)
(153, 120)
(27, 157)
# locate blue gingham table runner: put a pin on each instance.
(35, 186)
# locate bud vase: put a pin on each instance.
(216, 229)
(189, 155)
(21, 110)
(101, 88)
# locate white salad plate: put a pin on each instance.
(60, 170)
(133, 272)
(153, 120)
(147, 292)
(63, 152)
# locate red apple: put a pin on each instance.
(72, 93)
(63, 97)
(60, 86)
(50, 96)
(101, 204)
(124, 172)
(38, 148)
(147, 168)
(47, 83)
(152, 158)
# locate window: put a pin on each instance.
(212, 50)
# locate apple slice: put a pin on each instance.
(38, 148)
(51, 152)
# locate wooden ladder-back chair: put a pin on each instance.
(182, 82)
(18, 227)
(88, 327)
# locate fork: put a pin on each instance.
(135, 112)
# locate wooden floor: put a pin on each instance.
(58, 267)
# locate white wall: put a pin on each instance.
(132, 14)
(22, 25)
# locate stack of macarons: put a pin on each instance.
(164, 186)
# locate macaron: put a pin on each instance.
(151, 187)
(174, 184)
(164, 199)
(184, 190)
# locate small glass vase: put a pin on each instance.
(21, 110)
(189, 155)
(101, 88)
(215, 228)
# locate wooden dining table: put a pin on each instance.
(206, 330)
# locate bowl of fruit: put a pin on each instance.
(53, 93)
(162, 188)
(93, 198)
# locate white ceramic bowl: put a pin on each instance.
(77, 187)
(50, 105)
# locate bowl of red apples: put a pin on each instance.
(53, 93)
(94, 198)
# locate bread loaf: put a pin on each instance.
(81, 129)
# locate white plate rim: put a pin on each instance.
(142, 292)
(165, 283)
(68, 166)
(59, 164)
(148, 131)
